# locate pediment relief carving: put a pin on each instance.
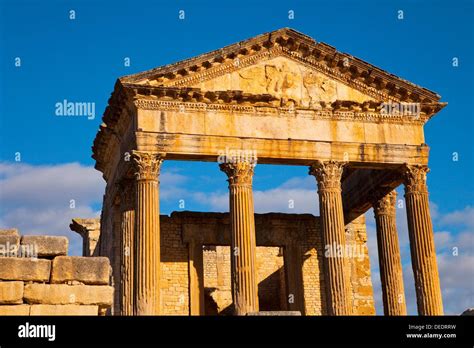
(287, 80)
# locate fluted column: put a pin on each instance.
(391, 275)
(420, 231)
(243, 245)
(147, 237)
(328, 175)
(127, 208)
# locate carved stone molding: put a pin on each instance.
(191, 100)
(415, 178)
(328, 174)
(147, 165)
(239, 173)
(386, 204)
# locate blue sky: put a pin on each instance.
(80, 59)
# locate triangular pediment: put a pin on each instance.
(288, 65)
(286, 79)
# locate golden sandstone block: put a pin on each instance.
(11, 292)
(14, 268)
(47, 246)
(63, 310)
(15, 310)
(86, 270)
(68, 294)
(9, 241)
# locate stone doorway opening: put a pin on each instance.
(272, 289)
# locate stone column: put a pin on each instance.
(196, 278)
(115, 256)
(391, 275)
(328, 175)
(127, 192)
(147, 233)
(420, 231)
(243, 245)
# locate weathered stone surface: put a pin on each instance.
(41, 309)
(47, 246)
(9, 242)
(87, 270)
(11, 292)
(469, 311)
(15, 310)
(391, 274)
(422, 247)
(244, 286)
(89, 230)
(69, 294)
(9, 232)
(13, 268)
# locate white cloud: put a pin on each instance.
(463, 217)
(23, 185)
(37, 199)
(289, 197)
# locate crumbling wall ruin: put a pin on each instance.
(38, 278)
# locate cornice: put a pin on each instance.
(348, 69)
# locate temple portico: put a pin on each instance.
(288, 100)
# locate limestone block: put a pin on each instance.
(47, 246)
(15, 310)
(44, 309)
(11, 292)
(87, 270)
(69, 294)
(9, 242)
(14, 268)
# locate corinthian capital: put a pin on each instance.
(386, 204)
(328, 174)
(147, 165)
(415, 178)
(239, 173)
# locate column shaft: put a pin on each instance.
(391, 275)
(420, 231)
(147, 237)
(128, 226)
(243, 244)
(328, 174)
(196, 278)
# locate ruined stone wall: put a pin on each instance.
(303, 255)
(37, 278)
(174, 269)
(359, 268)
(312, 252)
(217, 279)
(301, 233)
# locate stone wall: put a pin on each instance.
(174, 269)
(217, 279)
(359, 268)
(37, 278)
(294, 280)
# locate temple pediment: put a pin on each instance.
(287, 65)
(287, 80)
(282, 93)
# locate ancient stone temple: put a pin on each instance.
(278, 98)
